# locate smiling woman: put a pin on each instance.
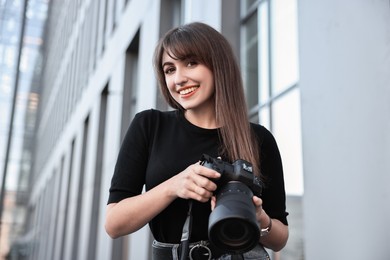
(191, 85)
(200, 78)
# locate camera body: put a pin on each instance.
(233, 226)
(240, 170)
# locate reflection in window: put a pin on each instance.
(249, 61)
(286, 119)
(10, 55)
(284, 45)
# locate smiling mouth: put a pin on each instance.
(187, 90)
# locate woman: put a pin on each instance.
(200, 78)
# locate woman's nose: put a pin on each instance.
(180, 78)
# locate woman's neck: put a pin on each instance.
(203, 119)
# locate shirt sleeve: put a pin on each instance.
(129, 173)
(274, 195)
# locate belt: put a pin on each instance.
(201, 250)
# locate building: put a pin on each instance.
(21, 29)
(317, 76)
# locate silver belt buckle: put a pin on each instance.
(200, 246)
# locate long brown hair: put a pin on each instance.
(207, 46)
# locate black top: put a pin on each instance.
(159, 145)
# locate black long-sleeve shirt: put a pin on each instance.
(159, 145)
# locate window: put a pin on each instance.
(269, 62)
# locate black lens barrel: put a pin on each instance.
(233, 226)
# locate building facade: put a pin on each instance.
(21, 32)
(307, 80)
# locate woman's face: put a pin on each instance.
(190, 83)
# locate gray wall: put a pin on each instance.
(345, 95)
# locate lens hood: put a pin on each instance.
(233, 226)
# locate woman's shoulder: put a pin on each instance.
(262, 133)
(259, 130)
(154, 114)
(154, 117)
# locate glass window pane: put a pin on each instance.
(265, 117)
(264, 76)
(6, 83)
(254, 118)
(10, 56)
(246, 4)
(249, 61)
(286, 126)
(284, 45)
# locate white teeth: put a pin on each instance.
(187, 90)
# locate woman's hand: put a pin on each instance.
(260, 216)
(277, 237)
(194, 183)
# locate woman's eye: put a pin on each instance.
(191, 63)
(169, 70)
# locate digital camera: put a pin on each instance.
(233, 226)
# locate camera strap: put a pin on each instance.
(186, 233)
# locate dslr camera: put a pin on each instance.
(233, 226)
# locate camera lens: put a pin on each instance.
(232, 224)
(233, 232)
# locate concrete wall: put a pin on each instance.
(345, 95)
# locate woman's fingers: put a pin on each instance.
(196, 183)
(213, 202)
(258, 204)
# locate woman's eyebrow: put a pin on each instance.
(167, 63)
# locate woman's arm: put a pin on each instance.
(277, 237)
(131, 214)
